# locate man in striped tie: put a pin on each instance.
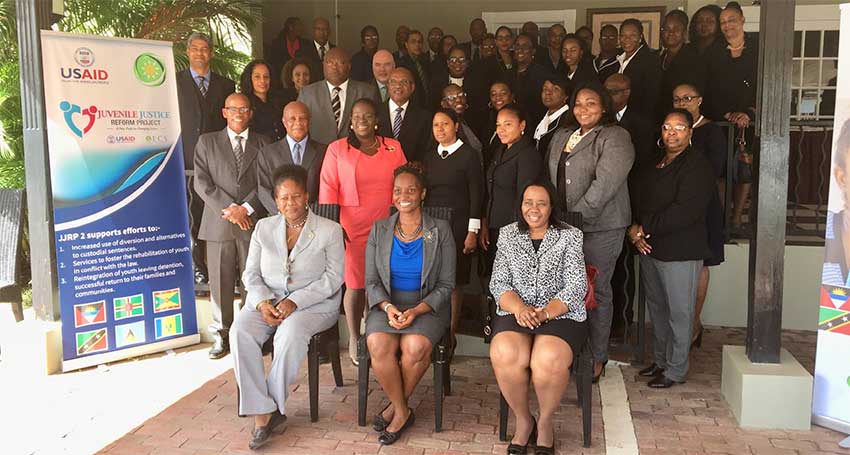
(402, 119)
(330, 100)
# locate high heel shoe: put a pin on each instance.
(379, 423)
(697, 342)
(601, 373)
(352, 353)
(543, 450)
(390, 437)
(517, 449)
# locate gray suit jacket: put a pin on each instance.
(317, 97)
(218, 184)
(595, 175)
(277, 154)
(311, 276)
(438, 262)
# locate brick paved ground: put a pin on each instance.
(688, 419)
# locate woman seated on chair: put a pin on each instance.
(293, 277)
(410, 274)
(539, 283)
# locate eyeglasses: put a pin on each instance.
(395, 82)
(677, 128)
(452, 98)
(615, 92)
(684, 99)
(239, 110)
(457, 59)
(608, 38)
(527, 47)
(488, 46)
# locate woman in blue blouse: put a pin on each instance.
(410, 274)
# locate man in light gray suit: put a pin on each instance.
(226, 179)
(294, 276)
(296, 148)
(330, 100)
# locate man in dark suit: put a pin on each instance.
(330, 101)
(316, 49)
(382, 65)
(404, 120)
(401, 34)
(471, 79)
(642, 131)
(226, 178)
(200, 95)
(416, 60)
(477, 30)
(435, 36)
(550, 57)
(361, 62)
(295, 148)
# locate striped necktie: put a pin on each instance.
(297, 154)
(202, 85)
(238, 152)
(335, 104)
(423, 78)
(397, 122)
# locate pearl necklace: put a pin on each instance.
(297, 225)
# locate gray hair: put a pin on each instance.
(201, 36)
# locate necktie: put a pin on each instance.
(383, 89)
(397, 122)
(202, 85)
(474, 51)
(237, 153)
(444, 153)
(322, 53)
(335, 104)
(298, 154)
(422, 76)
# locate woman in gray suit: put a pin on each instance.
(410, 274)
(588, 162)
(293, 276)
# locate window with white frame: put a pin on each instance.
(814, 74)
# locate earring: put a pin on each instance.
(351, 127)
(376, 127)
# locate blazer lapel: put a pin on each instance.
(227, 150)
(307, 235)
(280, 242)
(383, 248)
(585, 142)
(252, 145)
(309, 154)
(351, 96)
(429, 245)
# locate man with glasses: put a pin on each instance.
(402, 119)
(361, 62)
(529, 79)
(454, 98)
(550, 58)
(459, 72)
(226, 179)
(200, 94)
(606, 62)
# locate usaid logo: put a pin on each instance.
(120, 139)
(84, 57)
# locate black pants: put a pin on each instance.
(623, 287)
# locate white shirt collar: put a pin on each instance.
(450, 149)
(543, 126)
(456, 80)
(292, 142)
(394, 106)
(624, 62)
(622, 113)
(343, 86)
(319, 47)
(232, 136)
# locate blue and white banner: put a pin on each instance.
(831, 400)
(123, 246)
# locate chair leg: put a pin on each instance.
(313, 378)
(362, 383)
(503, 418)
(447, 379)
(439, 367)
(333, 353)
(586, 378)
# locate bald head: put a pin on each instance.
(337, 66)
(619, 86)
(382, 65)
(296, 119)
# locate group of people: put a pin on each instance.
(510, 132)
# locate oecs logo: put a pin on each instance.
(149, 69)
(88, 114)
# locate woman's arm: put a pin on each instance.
(332, 278)
(329, 177)
(252, 277)
(570, 298)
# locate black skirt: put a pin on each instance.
(573, 332)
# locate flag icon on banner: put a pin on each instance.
(166, 300)
(127, 334)
(835, 297)
(89, 313)
(128, 307)
(91, 342)
(168, 326)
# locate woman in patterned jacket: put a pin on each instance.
(539, 283)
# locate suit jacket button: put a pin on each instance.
(569, 181)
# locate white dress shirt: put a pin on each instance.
(320, 47)
(456, 80)
(621, 113)
(624, 62)
(474, 223)
(543, 126)
(343, 91)
(232, 136)
(393, 107)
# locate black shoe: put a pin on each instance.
(543, 450)
(662, 382)
(260, 435)
(697, 342)
(389, 437)
(651, 371)
(220, 348)
(601, 373)
(517, 449)
(379, 423)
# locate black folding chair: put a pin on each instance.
(324, 343)
(11, 229)
(581, 369)
(440, 357)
